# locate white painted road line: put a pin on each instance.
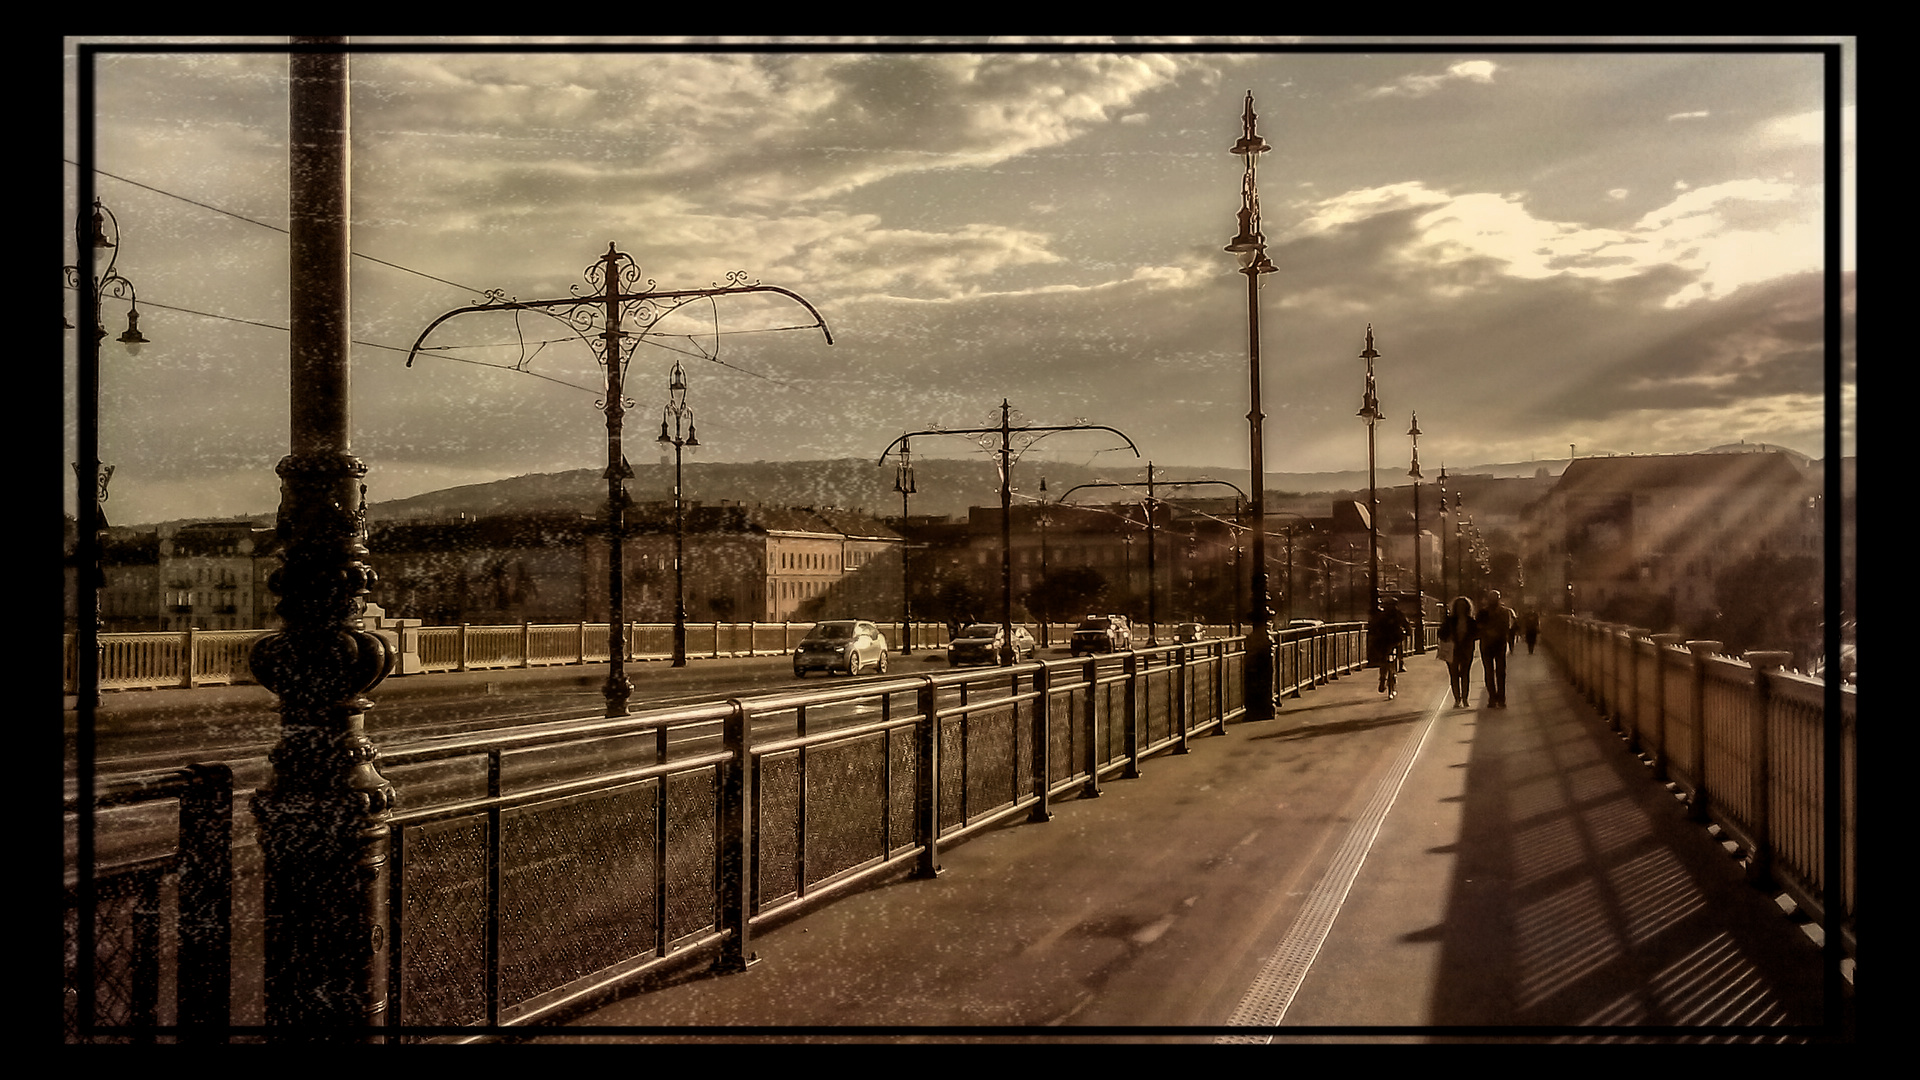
(1280, 978)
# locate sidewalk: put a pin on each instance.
(1533, 873)
(1494, 875)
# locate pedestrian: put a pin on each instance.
(1531, 624)
(1458, 632)
(1498, 627)
(1386, 631)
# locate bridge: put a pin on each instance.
(1638, 849)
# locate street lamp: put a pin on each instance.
(903, 483)
(1419, 579)
(93, 234)
(1046, 629)
(678, 412)
(1149, 506)
(597, 317)
(1013, 442)
(1291, 528)
(1251, 245)
(1370, 412)
(1446, 595)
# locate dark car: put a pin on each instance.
(1188, 632)
(849, 645)
(980, 644)
(1101, 634)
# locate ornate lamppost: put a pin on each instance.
(93, 234)
(1370, 412)
(1419, 579)
(1251, 245)
(1012, 443)
(1459, 534)
(323, 813)
(1149, 506)
(903, 483)
(1446, 595)
(679, 413)
(598, 316)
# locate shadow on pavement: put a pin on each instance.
(1582, 896)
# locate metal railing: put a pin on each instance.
(545, 867)
(165, 912)
(189, 658)
(1743, 740)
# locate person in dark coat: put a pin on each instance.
(1530, 625)
(1498, 627)
(1387, 630)
(1458, 632)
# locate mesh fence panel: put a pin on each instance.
(846, 793)
(693, 853)
(127, 956)
(576, 888)
(443, 923)
(777, 853)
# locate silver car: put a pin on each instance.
(849, 645)
(980, 644)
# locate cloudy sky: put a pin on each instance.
(1595, 244)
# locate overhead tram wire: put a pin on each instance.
(695, 352)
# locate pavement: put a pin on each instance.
(1488, 875)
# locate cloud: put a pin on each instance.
(1474, 71)
(1724, 236)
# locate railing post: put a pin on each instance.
(1132, 696)
(734, 842)
(926, 793)
(1041, 740)
(1217, 652)
(1697, 765)
(1180, 717)
(526, 643)
(462, 664)
(189, 645)
(1760, 761)
(1627, 716)
(582, 658)
(1090, 672)
(206, 904)
(1663, 648)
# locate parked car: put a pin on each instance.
(980, 644)
(849, 645)
(1099, 634)
(1188, 632)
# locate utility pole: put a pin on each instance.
(613, 303)
(1006, 450)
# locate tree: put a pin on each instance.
(1767, 601)
(1064, 591)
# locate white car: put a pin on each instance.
(849, 645)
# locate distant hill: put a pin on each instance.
(943, 487)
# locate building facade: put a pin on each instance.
(211, 576)
(1645, 539)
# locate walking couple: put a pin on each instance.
(1493, 627)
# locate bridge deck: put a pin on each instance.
(1499, 874)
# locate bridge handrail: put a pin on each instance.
(1740, 737)
(183, 659)
(922, 761)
